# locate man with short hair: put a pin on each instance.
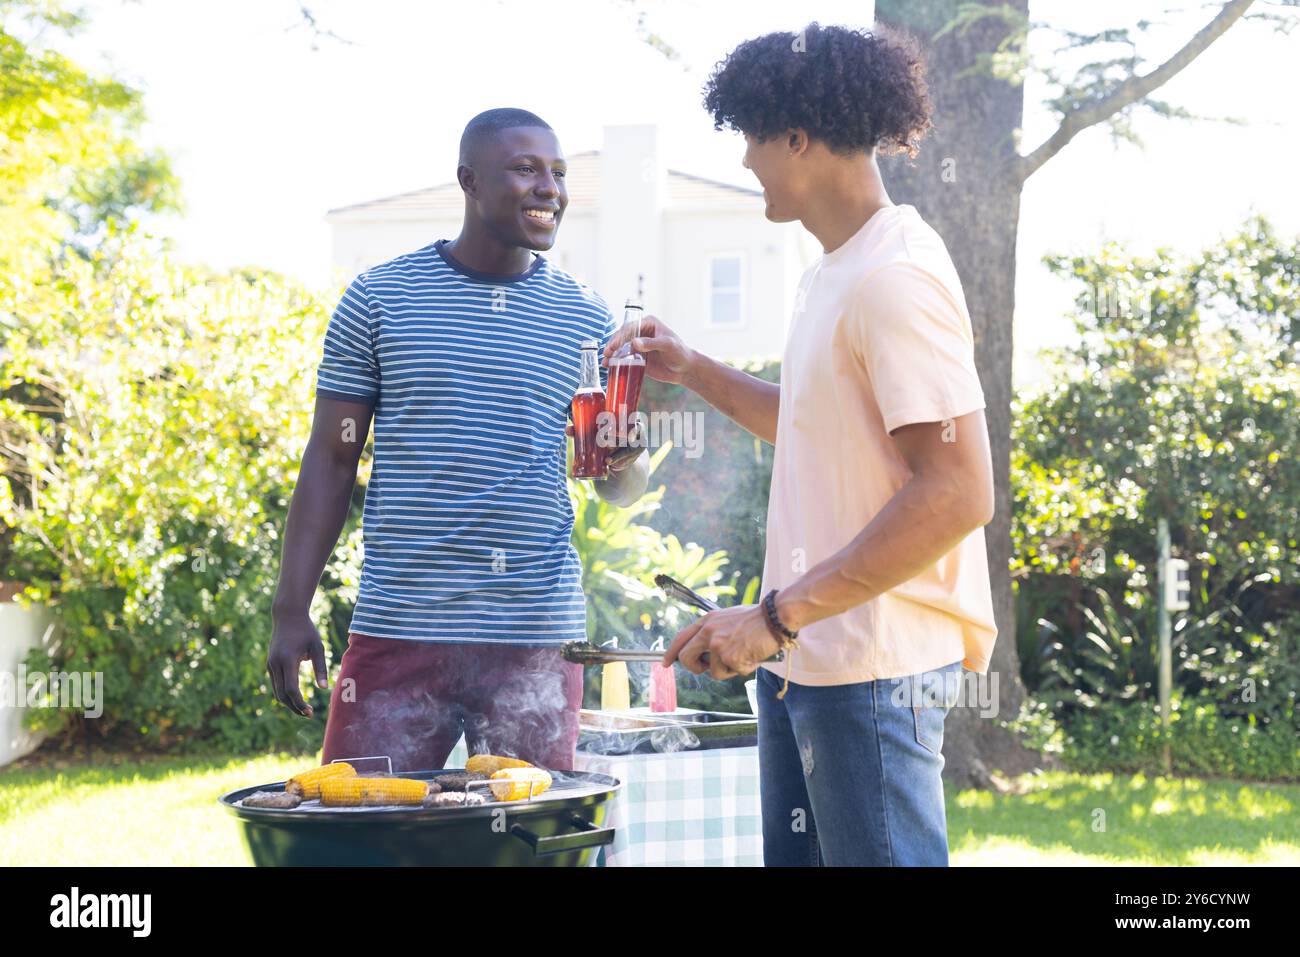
(882, 477)
(466, 353)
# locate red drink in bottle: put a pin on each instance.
(589, 459)
(626, 370)
(625, 375)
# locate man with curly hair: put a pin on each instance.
(882, 479)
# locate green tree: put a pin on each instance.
(1176, 400)
(71, 165)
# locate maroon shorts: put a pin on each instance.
(411, 700)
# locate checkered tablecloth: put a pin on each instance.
(687, 808)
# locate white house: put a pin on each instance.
(697, 252)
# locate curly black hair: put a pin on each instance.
(852, 89)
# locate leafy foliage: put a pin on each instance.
(71, 166)
(621, 554)
(1129, 736)
(1177, 400)
(1181, 405)
(154, 418)
(1082, 68)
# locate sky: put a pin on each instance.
(269, 127)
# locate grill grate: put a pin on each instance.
(564, 785)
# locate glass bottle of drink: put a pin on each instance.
(589, 459)
(626, 370)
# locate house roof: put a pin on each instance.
(685, 192)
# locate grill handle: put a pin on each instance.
(589, 835)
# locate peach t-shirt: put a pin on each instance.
(880, 339)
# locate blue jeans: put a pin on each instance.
(849, 774)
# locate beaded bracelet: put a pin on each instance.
(783, 635)
(785, 638)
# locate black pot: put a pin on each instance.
(560, 828)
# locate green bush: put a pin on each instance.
(1183, 409)
(1256, 675)
(1128, 736)
(158, 414)
(1176, 400)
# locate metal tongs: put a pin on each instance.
(585, 653)
(675, 589)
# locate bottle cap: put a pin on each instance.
(588, 344)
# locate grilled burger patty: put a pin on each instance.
(281, 800)
(458, 780)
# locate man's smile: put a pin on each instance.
(543, 216)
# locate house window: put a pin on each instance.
(726, 285)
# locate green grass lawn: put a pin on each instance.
(158, 811)
(163, 811)
(1126, 819)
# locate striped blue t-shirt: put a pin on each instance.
(467, 519)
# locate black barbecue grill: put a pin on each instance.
(562, 826)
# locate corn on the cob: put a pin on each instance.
(356, 791)
(307, 784)
(515, 784)
(489, 764)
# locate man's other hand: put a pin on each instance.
(294, 641)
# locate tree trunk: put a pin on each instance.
(963, 183)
